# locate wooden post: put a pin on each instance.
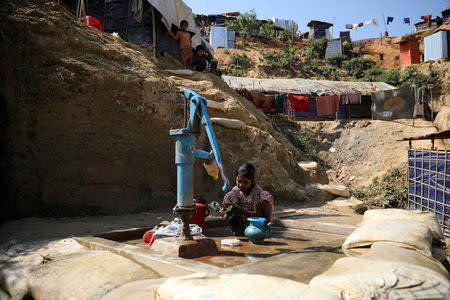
(154, 31)
(432, 104)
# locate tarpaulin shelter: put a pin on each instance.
(334, 47)
(319, 29)
(118, 16)
(394, 104)
(429, 179)
(313, 88)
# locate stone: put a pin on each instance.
(316, 192)
(307, 165)
(86, 276)
(335, 189)
(229, 123)
(175, 246)
(346, 202)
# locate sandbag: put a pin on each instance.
(183, 72)
(412, 229)
(374, 276)
(229, 123)
(215, 105)
(231, 286)
(428, 219)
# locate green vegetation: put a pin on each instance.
(239, 65)
(408, 37)
(390, 191)
(337, 60)
(267, 32)
(372, 74)
(330, 73)
(285, 36)
(315, 49)
(407, 76)
(286, 59)
(302, 142)
(247, 25)
(357, 66)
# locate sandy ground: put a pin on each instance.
(365, 148)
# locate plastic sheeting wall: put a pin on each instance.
(393, 104)
(436, 45)
(429, 184)
(219, 36)
(312, 111)
(334, 47)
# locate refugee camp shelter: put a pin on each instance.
(311, 89)
(136, 25)
(345, 35)
(446, 15)
(409, 52)
(319, 29)
(422, 25)
(220, 36)
(284, 24)
(429, 179)
(334, 47)
(436, 44)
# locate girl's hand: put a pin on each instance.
(221, 213)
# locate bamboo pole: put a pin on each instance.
(154, 31)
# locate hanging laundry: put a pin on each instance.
(264, 102)
(406, 21)
(360, 24)
(367, 23)
(280, 100)
(427, 19)
(375, 22)
(351, 98)
(348, 26)
(298, 103)
(390, 19)
(327, 105)
(355, 26)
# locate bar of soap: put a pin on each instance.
(230, 242)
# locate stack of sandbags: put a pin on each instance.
(414, 229)
(231, 286)
(397, 262)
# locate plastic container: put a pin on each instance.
(92, 21)
(202, 211)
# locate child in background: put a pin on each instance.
(185, 43)
(200, 60)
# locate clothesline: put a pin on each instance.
(406, 20)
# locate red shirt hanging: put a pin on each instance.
(427, 19)
(298, 103)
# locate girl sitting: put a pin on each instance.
(246, 199)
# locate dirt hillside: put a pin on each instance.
(86, 120)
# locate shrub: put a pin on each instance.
(239, 65)
(373, 73)
(285, 36)
(246, 24)
(287, 59)
(330, 73)
(392, 77)
(302, 142)
(346, 47)
(267, 32)
(337, 60)
(357, 65)
(315, 48)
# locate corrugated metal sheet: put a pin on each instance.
(231, 37)
(436, 45)
(334, 47)
(300, 86)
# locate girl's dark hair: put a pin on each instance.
(246, 169)
(184, 22)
